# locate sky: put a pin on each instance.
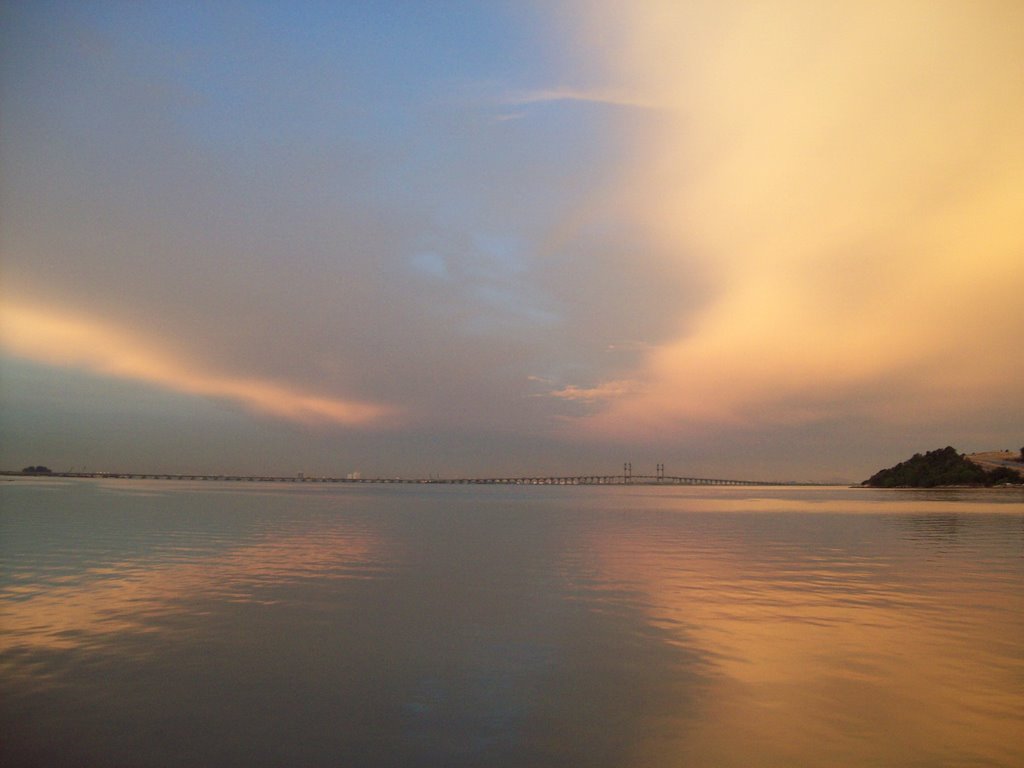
(758, 240)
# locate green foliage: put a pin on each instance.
(37, 470)
(1004, 475)
(944, 466)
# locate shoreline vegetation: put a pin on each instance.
(947, 467)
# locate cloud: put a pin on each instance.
(733, 219)
(607, 391)
(430, 264)
(849, 178)
(607, 97)
(507, 117)
(60, 340)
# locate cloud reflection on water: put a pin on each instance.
(508, 627)
(106, 601)
(842, 652)
(465, 649)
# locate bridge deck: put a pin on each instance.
(539, 480)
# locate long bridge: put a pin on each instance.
(627, 478)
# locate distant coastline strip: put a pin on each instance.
(301, 478)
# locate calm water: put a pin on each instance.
(174, 624)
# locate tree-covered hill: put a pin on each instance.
(944, 466)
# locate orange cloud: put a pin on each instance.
(850, 179)
(606, 391)
(60, 340)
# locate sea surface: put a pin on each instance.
(169, 623)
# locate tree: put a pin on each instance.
(945, 466)
(1004, 476)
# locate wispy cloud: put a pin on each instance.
(602, 393)
(609, 97)
(61, 340)
(507, 117)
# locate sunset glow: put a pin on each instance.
(63, 341)
(770, 640)
(508, 239)
(855, 199)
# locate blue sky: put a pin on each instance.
(500, 238)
